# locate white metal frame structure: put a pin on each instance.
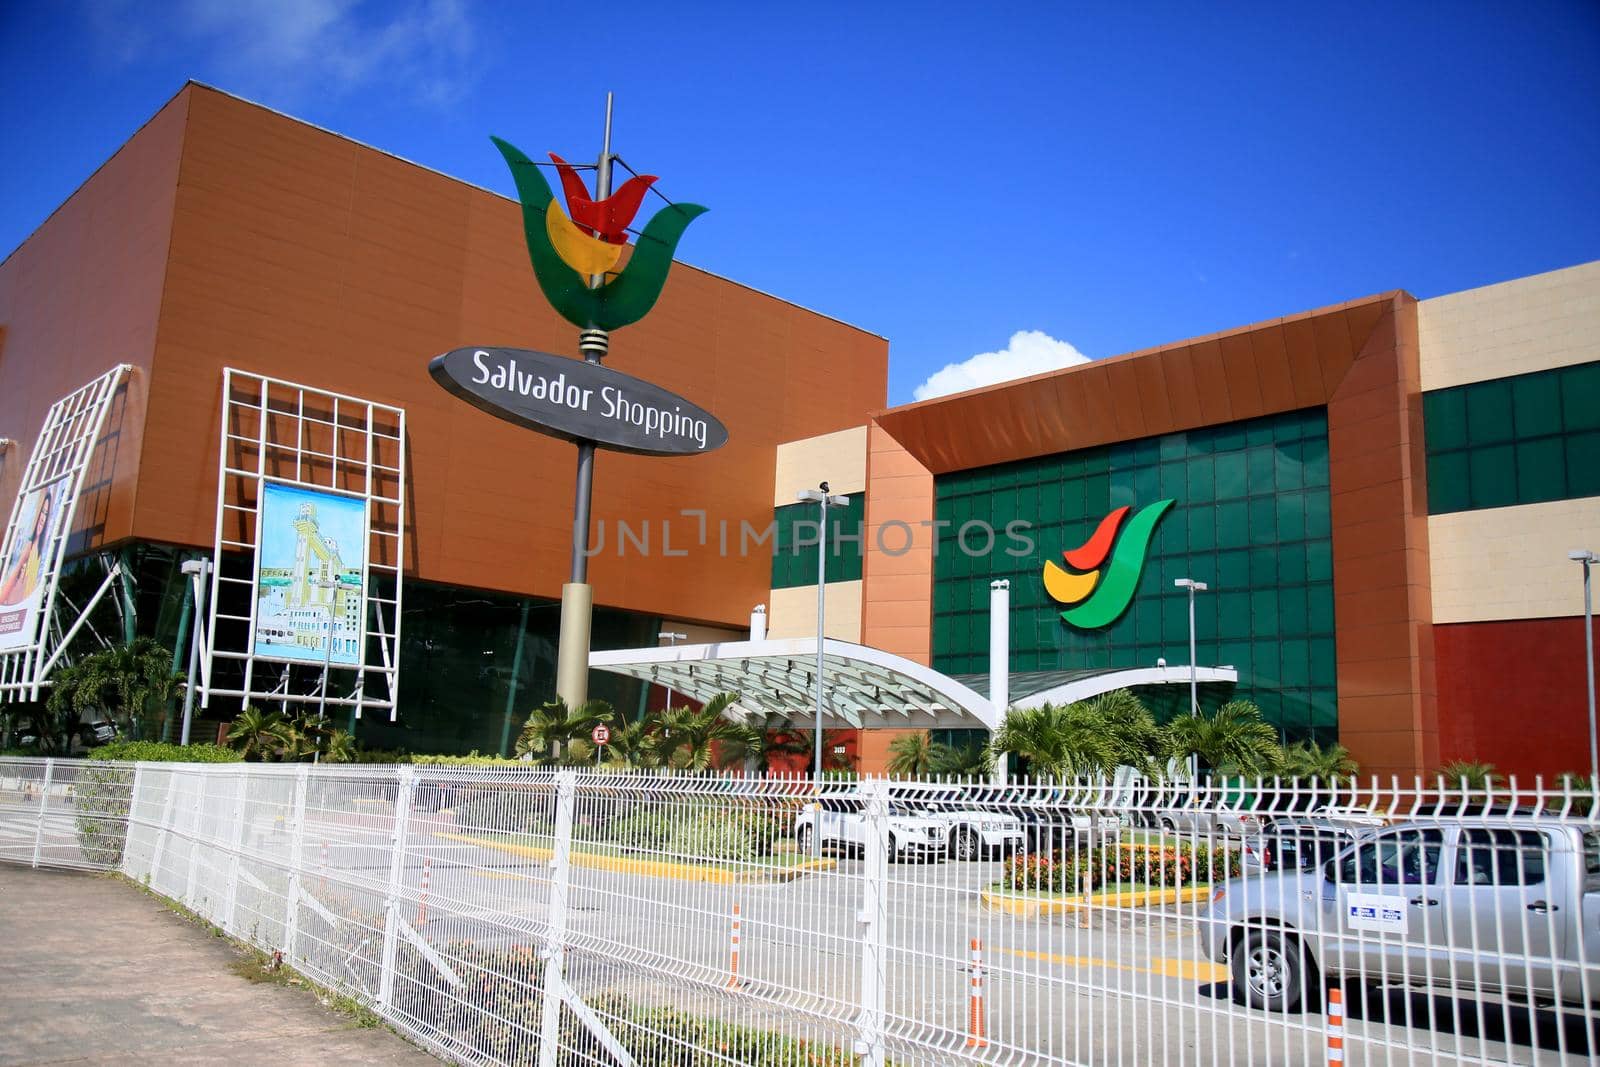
(72, 427)
(864, 686)
(281, 432)
(1093, 686)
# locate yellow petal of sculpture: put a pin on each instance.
(1065, 587)
(584, 254)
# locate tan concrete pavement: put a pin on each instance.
(93, 971)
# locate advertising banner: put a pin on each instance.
(25, 565)
(310, 576)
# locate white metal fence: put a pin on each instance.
(511, 916)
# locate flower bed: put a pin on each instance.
(1140, 865)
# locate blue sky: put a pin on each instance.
(949, 177)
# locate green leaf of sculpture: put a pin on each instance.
(623, 300)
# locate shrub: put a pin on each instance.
(1138, 865)
(160, 752)
(709, 835)
(472, 759)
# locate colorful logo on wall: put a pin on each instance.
(1099, 581)
(588, 240)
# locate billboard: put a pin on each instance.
(310, 576)
(25, 565)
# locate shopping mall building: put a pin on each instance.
(1380, 495)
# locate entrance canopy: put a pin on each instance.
(1033, 689)
(862, 686)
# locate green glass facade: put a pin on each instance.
(794, 553)
(1251, 519)
(1525, 439)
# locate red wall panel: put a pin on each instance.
(1513, 694)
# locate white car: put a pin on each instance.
(839, 822)
(974, 831)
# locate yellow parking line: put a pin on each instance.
(1166, 966)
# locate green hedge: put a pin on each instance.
(159, 752)
(1144, 865)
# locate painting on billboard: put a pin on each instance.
(310, 555)
(24, 568)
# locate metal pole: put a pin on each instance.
(177, 651)
(1194, 689)
(822, 585)
(577, 600)
(1588, 655)
(196, 570)
(511, 692)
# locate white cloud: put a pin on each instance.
(273, 49)
(1029, 352)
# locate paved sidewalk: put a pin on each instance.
(93, 971)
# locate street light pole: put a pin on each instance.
(671, 639)
(1587, 558)
(1194, 685)
(327, 661)
(820, 495)
(196, 569)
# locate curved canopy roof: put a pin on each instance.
(864, 686)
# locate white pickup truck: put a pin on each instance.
(1503, 906)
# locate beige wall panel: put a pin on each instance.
(1529, 324)
(840, 458)
(793, 612)
(1511, 563)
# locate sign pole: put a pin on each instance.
(577, 597)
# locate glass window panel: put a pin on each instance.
(1261, 466)
(1295, 663)
(1174, 481)
(1263, 521)
(1291, 516)
(1319, 608)
(1318, 522)
(1449, 485)
(1287, 459)
(1536, 404)
(1231, 478)
(1175, 620)
(1146, 485)
(1263, 568)
(1172, 533)
(1174, 446)
(1264, 612)
(1291, 564)
(1489, 412)
(1324, 669)
(1233, 570)
(1314, 461)
(1580, 397)
(1319, 561)
(1233, 613)
(1097, 494)
(1493, 476)
(1258, 432)
(1229, 438)
(1264, 664)
(1202, 530)
(1202, 479)
(1233, 524)
(1286, 428)
(1541, 470)
(1444, 419)
(1292, 605)
(1146, 452)
(1583, 464)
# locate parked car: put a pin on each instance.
(839, 821)
(1295, 845)
(975, 826)
(1057, 820)
(1205, 813)
(1500, 906)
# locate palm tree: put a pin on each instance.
(799, 742)
(1234, 739)
(552, 727)
(1307, 759)
(633, 744)
(130, 683)
(339, 747)
(1057, 740)
(1131, 728)
(1477, 776)
(259, 735)
(699, 740)
(972, 760)
(911, 755)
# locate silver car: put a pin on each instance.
(1497, 905)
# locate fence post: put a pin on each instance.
(871, 920)
(44, 803)
(235, 847)
(391, 900)
(554, 984)
(130, 817)
(197, 811)
(163, 831)
(297, 831)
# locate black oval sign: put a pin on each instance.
(578, 401)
